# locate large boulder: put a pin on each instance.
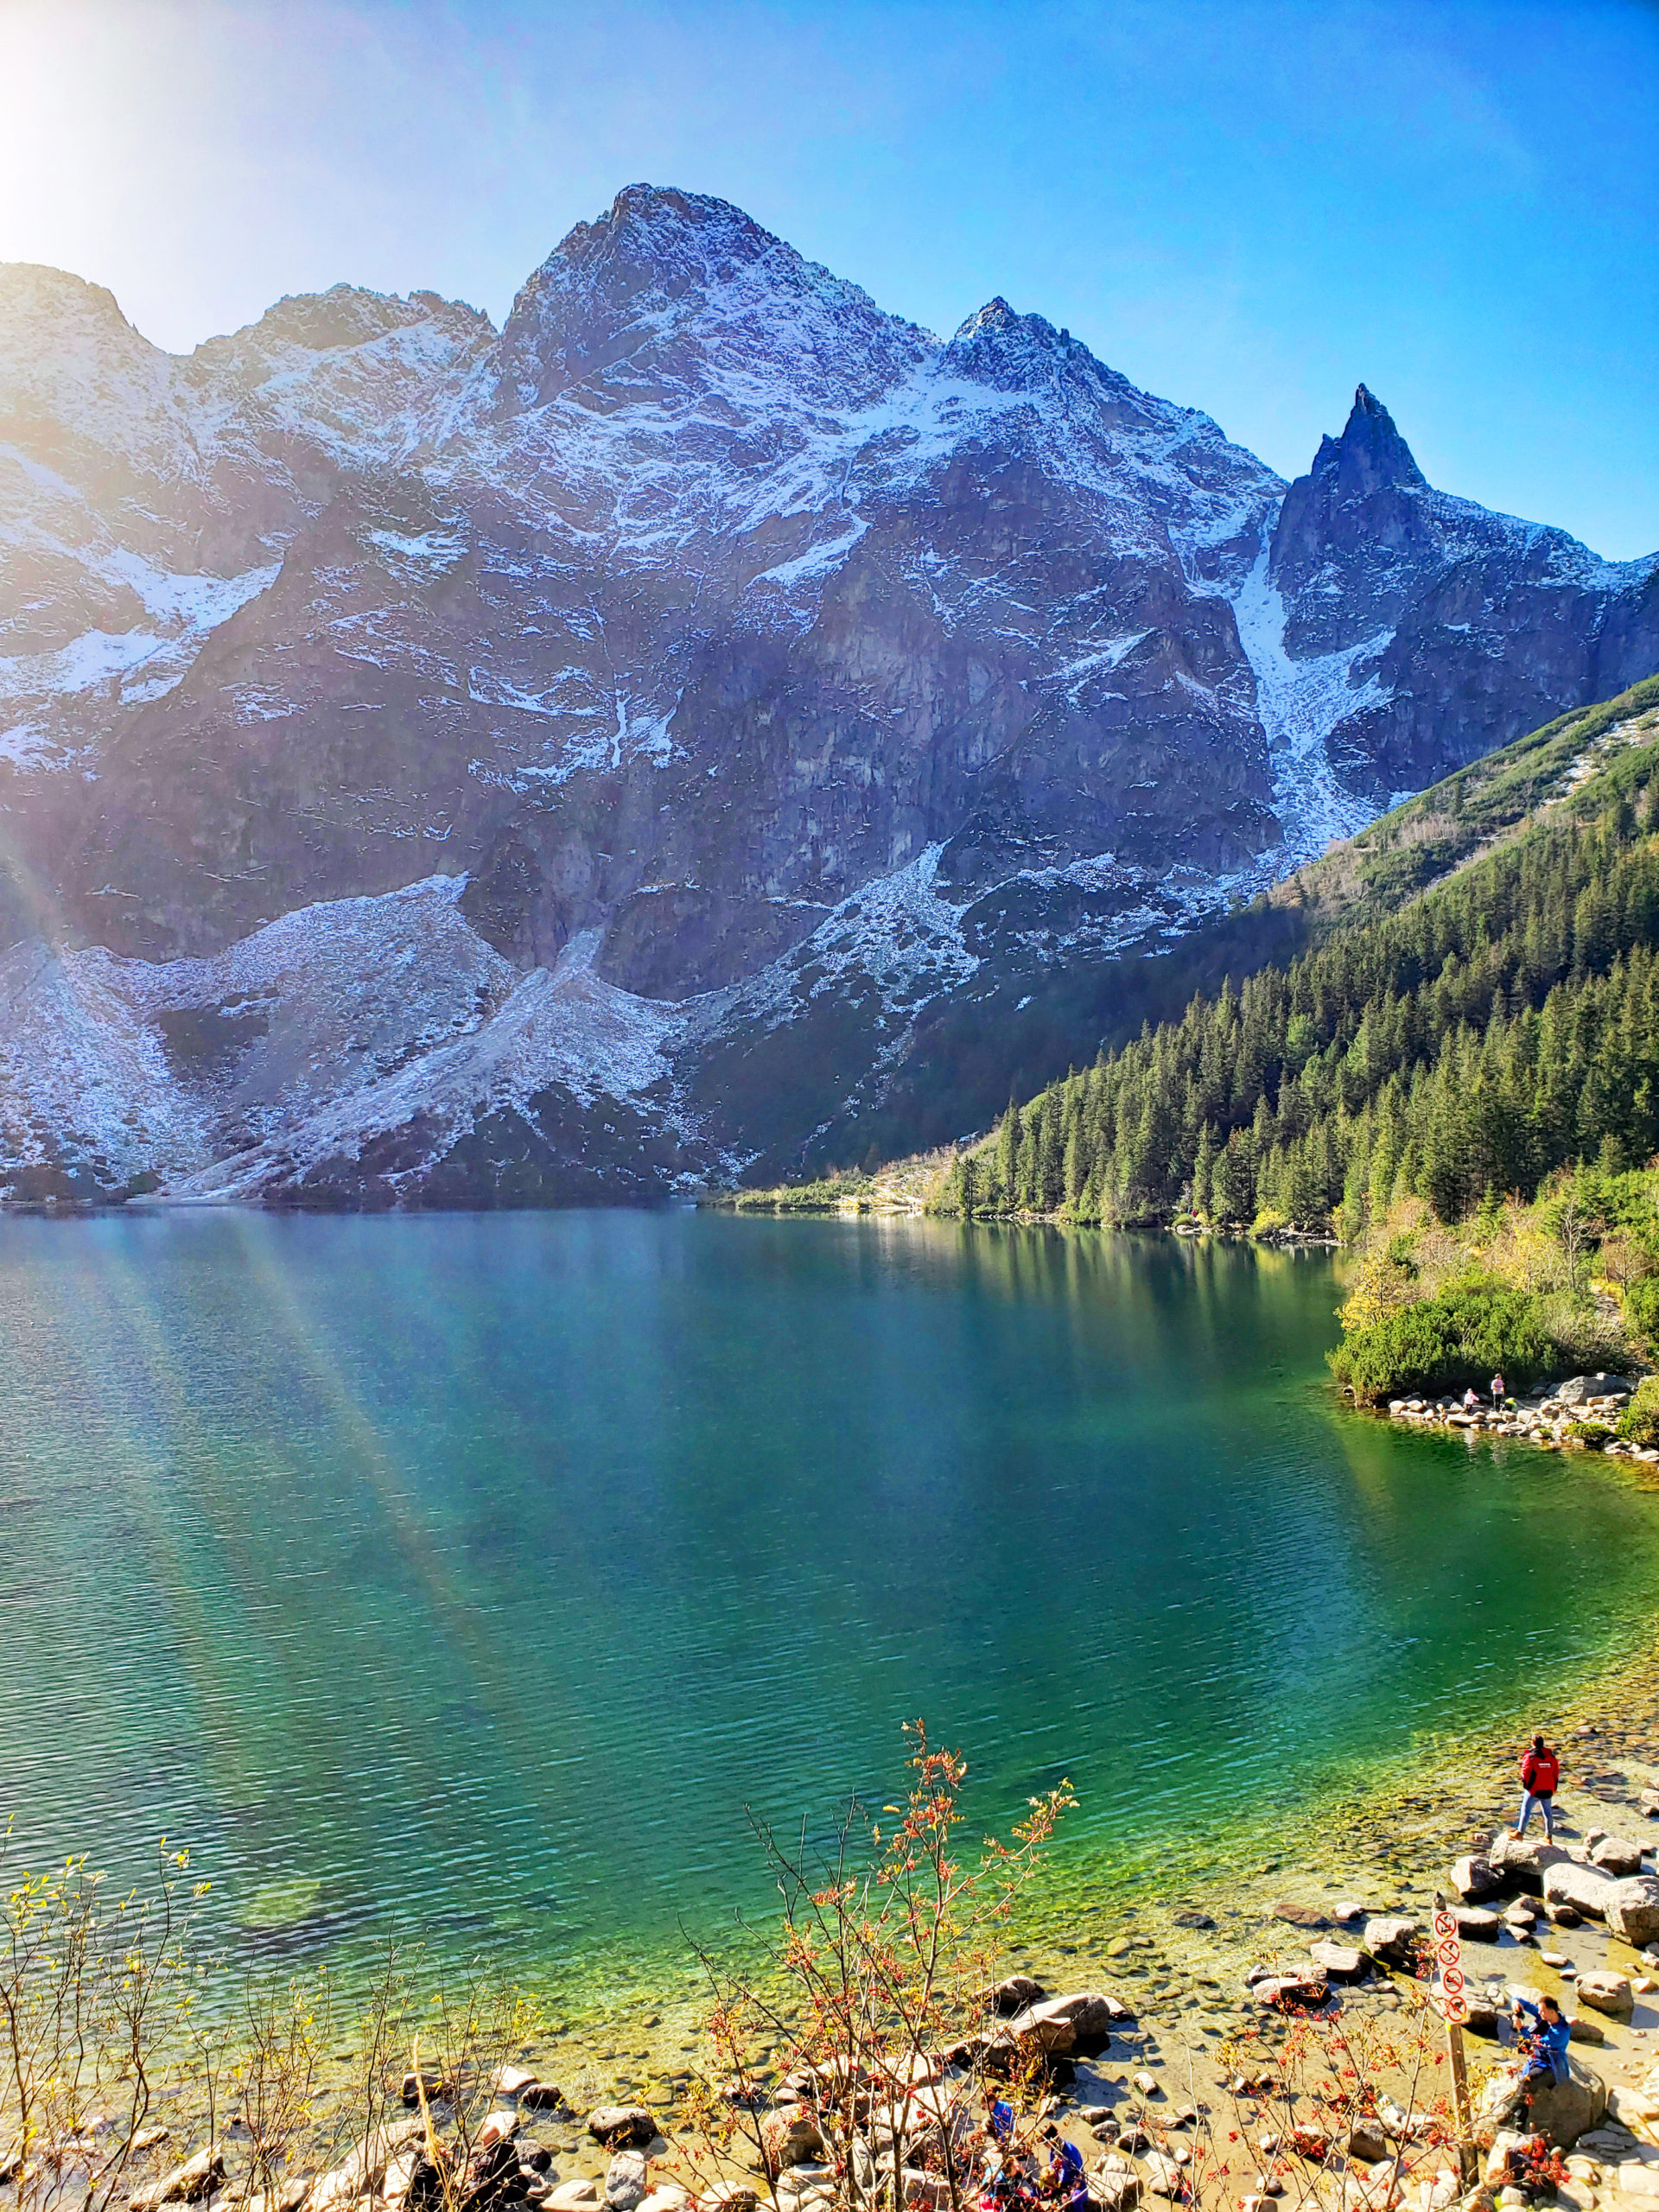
(197, 2177)
(1290, 1993)
(1582, 1889)
(1561, 2111)
(1092, 2012)
(495, 2179)
(1475, 1876)
(1341, 1962)
(1633, 1910)
(1064, 2024)
(1606, 1992)
(1015, 1994)
(1477, 1923)
(1522, 1860)
(1580, 1388)
(1391, 1936)
(791, 2138)
(1617, 1855)
(1115, 2186)
(361, 2171)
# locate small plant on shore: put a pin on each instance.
(1531, 1292)
(275, 2079)
(882, 1965)
(95, 1987)
(1595, 1435)
(1316, 2127)
(110, 2020)
(468, 2033)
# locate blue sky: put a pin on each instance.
(1248, 208)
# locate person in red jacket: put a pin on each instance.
(1541, 1770)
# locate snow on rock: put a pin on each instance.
(560, 1028)
(743, 640)
(230, 1078)
(89, 1100)
(1301, 701)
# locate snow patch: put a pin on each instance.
(1300, 703)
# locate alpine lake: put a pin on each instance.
(476, 1578)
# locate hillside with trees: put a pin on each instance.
(1477, 1006)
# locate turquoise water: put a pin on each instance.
(475, 1571)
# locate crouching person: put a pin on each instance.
(1545, 2032)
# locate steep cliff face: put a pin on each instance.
(716, 661)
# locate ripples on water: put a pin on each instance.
(477, 1571)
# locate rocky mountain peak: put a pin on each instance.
(1370, 455)
(693, 718)
(1009, 350)
(344, 317)
(58, 332)
(668, 288)
(1357, 526)
(652, 243)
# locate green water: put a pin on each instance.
(475, 1573)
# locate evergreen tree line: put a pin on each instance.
(1501, 1025)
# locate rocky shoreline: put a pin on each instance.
(1568, 1417)
(1166, 2007)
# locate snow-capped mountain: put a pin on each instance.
(441, 764)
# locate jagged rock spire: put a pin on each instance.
(1370, 452)
(1360, 506)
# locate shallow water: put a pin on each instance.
(476, 1572)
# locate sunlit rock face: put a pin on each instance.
(715, 674)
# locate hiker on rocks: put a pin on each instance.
(1062, 2181)
(1544, 2044)
(1541, 1770)
(1470, 1401)
(1498, 1394)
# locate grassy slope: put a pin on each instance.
(1409, 851)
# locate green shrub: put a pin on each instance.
(1640, 1423)
(1642, 1309)
(1471, 1330)
(1595, 1434)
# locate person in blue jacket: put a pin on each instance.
(1544, 2043)
(1061, 2182)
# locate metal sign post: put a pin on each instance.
(1449, 1995)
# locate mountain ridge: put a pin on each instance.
(708, 641)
